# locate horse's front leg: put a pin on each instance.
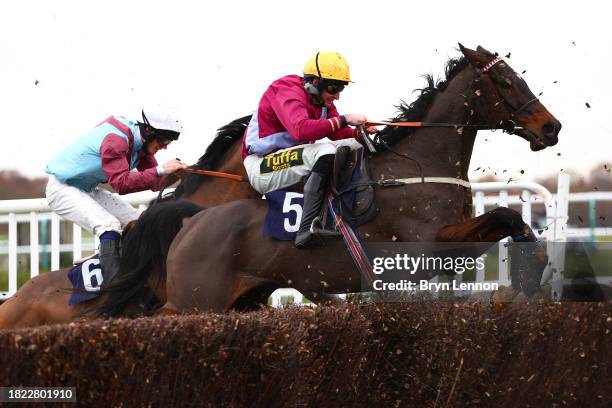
(527, 254)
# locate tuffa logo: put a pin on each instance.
(281, 160)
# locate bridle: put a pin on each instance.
(508, 126)
(514, 112)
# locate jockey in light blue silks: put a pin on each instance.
(108, 154)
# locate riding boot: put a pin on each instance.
(314, 193)
(109, 259)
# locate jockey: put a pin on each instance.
(293, 113)
(109, 153)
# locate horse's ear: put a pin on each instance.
(475, 58)
(484, 51)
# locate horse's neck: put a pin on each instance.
(213, 191)
(444, 152)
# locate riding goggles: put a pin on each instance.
(333, 87)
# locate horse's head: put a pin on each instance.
(503, 97)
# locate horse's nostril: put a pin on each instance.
(550, 129)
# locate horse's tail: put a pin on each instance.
(226, 136)
(144, 251)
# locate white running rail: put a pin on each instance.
(35, 211)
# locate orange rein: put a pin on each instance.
(404, 124)
(219, 174)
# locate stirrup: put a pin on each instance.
(317, 228)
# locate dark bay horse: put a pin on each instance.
(221, 256)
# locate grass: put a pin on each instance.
(22, 277)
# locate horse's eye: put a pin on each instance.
(506, 83)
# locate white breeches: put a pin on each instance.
(287, 167)
(98, 211)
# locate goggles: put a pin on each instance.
(333, 88)
(163, 142)
(165, 137)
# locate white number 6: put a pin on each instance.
(88, 274)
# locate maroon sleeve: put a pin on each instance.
(290, 108)
(146, 162)
(114, 154)
(346, 132)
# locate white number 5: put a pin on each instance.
(295, 207)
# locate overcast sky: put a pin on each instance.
(65, 66)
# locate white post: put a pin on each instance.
(33, 244)
(479, 204)
(503, 249)
(276, 298)
(526, 206)
(563, 189)
(55, 241)
(560, 236)
(12, 254)
(76, 243)
(478, 211)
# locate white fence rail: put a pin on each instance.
(36, 213)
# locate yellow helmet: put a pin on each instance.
(328, 65)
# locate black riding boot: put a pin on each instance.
(109, 259)
(314, 193)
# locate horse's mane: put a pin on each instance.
(417, 109)
(144, 247)
(226, 136)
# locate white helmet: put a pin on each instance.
(162, 121)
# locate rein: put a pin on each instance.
(508, 126)
(219, 174)
(229, 176)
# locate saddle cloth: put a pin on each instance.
(86, 278)
(353, 200)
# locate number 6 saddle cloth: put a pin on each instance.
(86, 279)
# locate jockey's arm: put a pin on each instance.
(344, 132)
(113, 152)
(293, 114)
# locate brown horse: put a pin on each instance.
(221, 257)
(44, 298)
(223, 154)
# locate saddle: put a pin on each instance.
(351, 187)
(352, 199)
